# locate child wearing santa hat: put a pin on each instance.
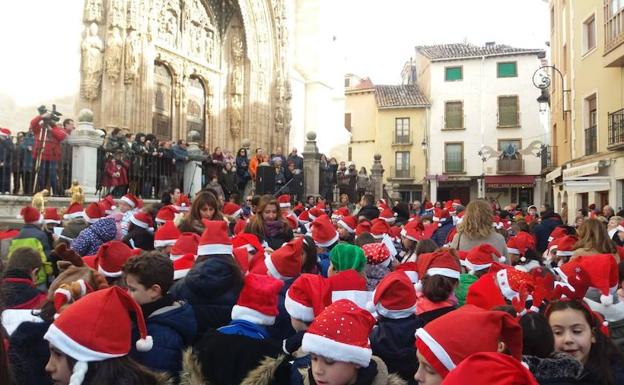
(440, 272)
(128, 205)
(91, 342)
(171, 323)
(140, 233)
(378, 263)
(344, 257)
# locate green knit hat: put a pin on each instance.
(345, 256)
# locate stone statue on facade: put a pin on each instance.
(116, 13)
(114, 51)
(134, 17)
(168, 29)
(131, 57)
(92, 50)
(279, 118)
(92, 11)
(236, 116)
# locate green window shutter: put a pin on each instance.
(508, 111)
(452, 74)
(454, 115)
(507, 70)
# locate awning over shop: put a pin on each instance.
(587, 185)
(506, 181)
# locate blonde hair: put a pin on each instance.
(477, 221)
(593, 236)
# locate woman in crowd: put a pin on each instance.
(242, 169)
(205, 206)
(268, 225)
(476, 228)
(228, 180)
(362, 183)
(594, 239)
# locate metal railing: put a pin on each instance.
(510, 166)
(590, 140)
(402, 173)
(402, 139)
(616, 127)
(548, 156)
(454, 166)
(613, 28)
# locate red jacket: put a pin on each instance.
(54, 137)
(112, 168)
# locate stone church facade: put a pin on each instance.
(167, 67)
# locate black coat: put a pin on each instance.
(542, 232)
(393, 340)
(439, 236)
(429, 316)
(369, 212)
(29, 353)
(140, 238)
(19, 292)
(282, 327)
(211, 288)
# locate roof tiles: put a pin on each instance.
(454, 51)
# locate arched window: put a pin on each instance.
(163, 93)
(195, 107)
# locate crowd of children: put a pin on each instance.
(209, 292)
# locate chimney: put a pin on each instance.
(490, 44)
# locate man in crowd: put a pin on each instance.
(296, 159)
(48, 138)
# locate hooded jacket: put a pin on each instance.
(393, 341)
(211, 289)
(90, 239)
(139, 238)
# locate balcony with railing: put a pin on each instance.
(403, 173)
(613, 34)
(402, 140)
(510, 166)
(616, 130)
(452, 122)
(548, 156)
(454, 166)
(591, 141)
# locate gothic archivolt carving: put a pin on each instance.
(92, 11)
(116, 13)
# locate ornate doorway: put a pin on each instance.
(163, 86)
(196, 107)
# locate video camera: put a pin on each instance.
(53, 116)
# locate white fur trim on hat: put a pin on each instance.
(513, 251)
(395, 314)
(48, 221)
(473, 267)
(328, 243)
(164, 242)
(179, 274)
(297, 310)
(67, 345)
(251, 315)
(272, 270)
(346, 226)
(443, 272)
(503, 284)
(108, 273)
(405, 235)
(436, 349)
(175, 257)
(284, 205)
(128, 201)
(77, 214)
(338, 351)
(214, 248)
(564, 253)
(412, 275)
(527, 267)
(139, 223)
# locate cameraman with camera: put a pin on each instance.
(47, 150)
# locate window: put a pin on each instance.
(402, 164)
(507, 70)
(402, 130)
(453, 74)
(589, 34)
(590, 130)
(508, 115)
(347, 121)
(454, 115)
(454, 157)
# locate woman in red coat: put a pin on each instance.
(116, 175)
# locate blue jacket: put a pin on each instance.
(34, 231)
(439, 236)
(181, 156)
(211, 288)
(241, 327)
(90, 239)
(282, 327)
(172, 328)
(27, 158)
(393, 340)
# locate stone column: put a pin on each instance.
(85, 141)
(377, 171)
(433, 187)
(192, 170)
(311, 163)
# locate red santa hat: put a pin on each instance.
(443, 216)
(285, 262)
(315, 212)
(565, 245)
(304, 298)
(323, 231)
(74, 211)
(304, 217)
(96, 328)
(602, 271)
(340, 333)
(249, 241)
(437, 213)
(410, 269)
(340, 213)
(284, 201)
(348, 223)
(512, 282)
(107, 204)
(485, 293)
(93, 212)
(456, 202)
(413, 231)
(142, 220)
(31, 215)
(111, 257)
(214, 239)
(382, 204)
(520, 243)
(5, 132)
(166, 235)
(444, 345)
(428, 206)
(440, 262)
(394, 296)
(131, 200)
(183, 203)
(558, 232)
(377, 254)
(496, 222)
(241, 255)
(492, 369)
(257, 302)
(50, 215)
(481, 257)
(166, 213)
(363, 227)
(292, 221)
(388, 215)
(232, 209)
(448, 206)
(183, 265)
(185, 244)
(379, 228)
(239, 227)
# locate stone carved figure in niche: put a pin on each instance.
(236, 116)
(210, 44)
(114, 50)
(116, 13)
(168, 29)
(237, 80)
(133, 15)
(237, 48)
(131, 57)
(92, 49)
(93, 11)
(279, 118)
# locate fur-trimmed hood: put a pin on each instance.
(559, 366)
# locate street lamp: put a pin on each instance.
(542, 80)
